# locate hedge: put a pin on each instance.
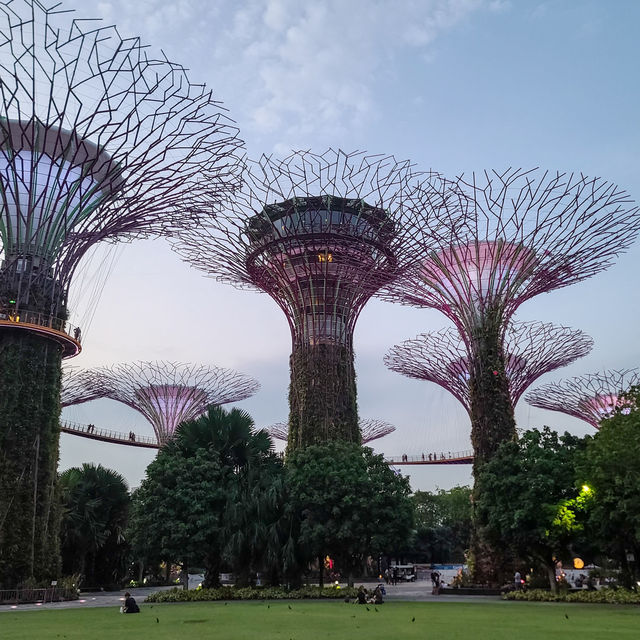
(250, 593)
(602, 596)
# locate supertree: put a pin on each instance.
(320, 234)
(168, 393)
(531, 349)
(513, 235)
(98, 141)
(370, 430)
(591, 398)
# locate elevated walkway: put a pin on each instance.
(134, 440)
(442, 457)
(104, 435)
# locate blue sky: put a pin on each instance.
(453, 85)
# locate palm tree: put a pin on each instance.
(95, 503)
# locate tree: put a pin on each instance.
(95, 505)
(443, 524)
(177, 513)
(610, 466)
(197, 502)
(350, 503)
(529, 502)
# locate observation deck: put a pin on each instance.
(105, 435)
(65, 334)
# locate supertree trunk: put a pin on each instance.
(29, 444)
(492, 423)
(322, 395)
(491, 408)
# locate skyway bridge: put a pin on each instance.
(132, 439)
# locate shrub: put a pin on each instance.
(251, 593)
(603, 596)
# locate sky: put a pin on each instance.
(453, 85)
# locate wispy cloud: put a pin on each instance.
(292, 71)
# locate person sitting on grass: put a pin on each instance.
(130, 604)
(376, 596)
(362, 595)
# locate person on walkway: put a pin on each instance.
(130, 604)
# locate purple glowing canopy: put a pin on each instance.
(370, 429)
(319, 233)
(505, 237)
(531, 350)
(169, 393)
(592, 397)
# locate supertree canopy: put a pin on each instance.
(78, 386)
(320, 234)
(168, 393)
(370, 429)
(591, 398)
(531, 350)
(516, 234)
(99, 141)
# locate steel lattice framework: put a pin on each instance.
(168, 393)
(98, 141)
(504, 238)
(370, 429)
(510, 236)
(78, 386)
(591, 398)
(320, 234)
(531, 349)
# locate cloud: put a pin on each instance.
(291, 71)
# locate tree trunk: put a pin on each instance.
(184, 577)
(551, 574)
(492, 423)
(322, 396)
(321, 571)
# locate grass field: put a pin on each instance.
(328, 620)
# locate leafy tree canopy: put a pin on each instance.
(610, 466)
(443, 524)
(350, 503)
(526, 492)
(95, 505)
(187, 508)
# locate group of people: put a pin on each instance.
(91, 428)
(370, 597)
(132, 436)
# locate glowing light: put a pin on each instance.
(578, 563)
(586, 488)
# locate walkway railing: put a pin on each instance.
(440, 457)
(62, 331)
(50, 594)
(106, 435)
(42, 320)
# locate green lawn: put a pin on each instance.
(318, 620)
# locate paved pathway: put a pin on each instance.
(413, 591)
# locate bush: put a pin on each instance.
(603, 596)
(251, 593)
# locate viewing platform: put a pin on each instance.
(57, 329)
(105, 435)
